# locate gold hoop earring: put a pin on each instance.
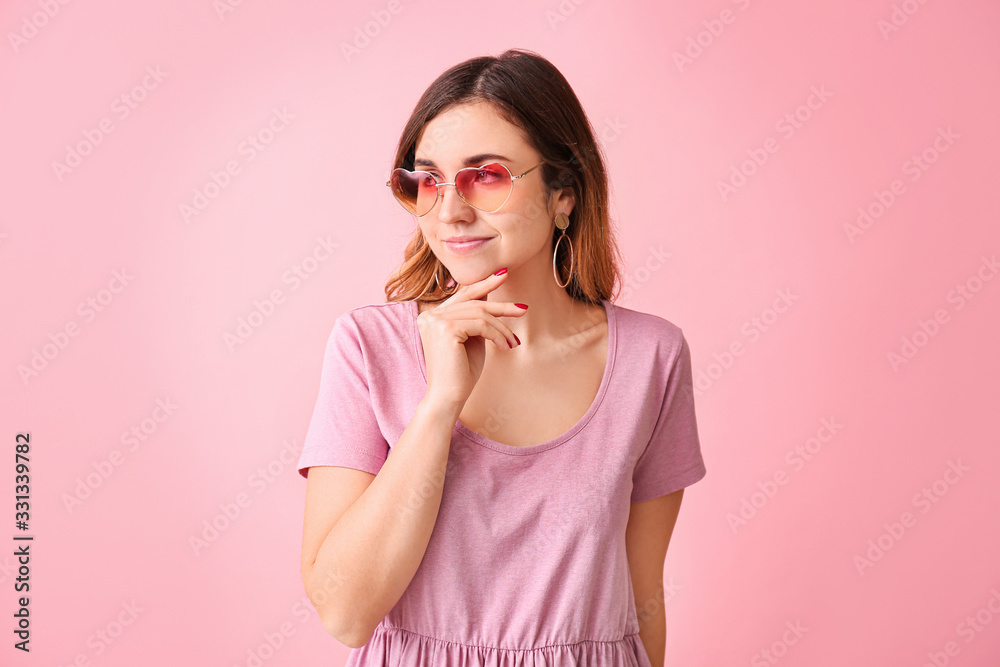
(562, 222)
(437, 284)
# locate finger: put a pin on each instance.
(489, 331)
(476, 290)
(475, 308)
(500, 326)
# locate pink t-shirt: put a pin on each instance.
(526, 565)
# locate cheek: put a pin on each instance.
(425, 228)
(532, 206)
(523, 232)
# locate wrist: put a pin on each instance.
(440, 409)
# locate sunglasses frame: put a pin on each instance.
(439, 185)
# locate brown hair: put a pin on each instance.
(529, 92)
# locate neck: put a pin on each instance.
(553, 315)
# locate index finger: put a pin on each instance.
(478, 289)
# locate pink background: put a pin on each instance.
(673, 131)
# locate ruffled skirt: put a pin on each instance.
(396, 647)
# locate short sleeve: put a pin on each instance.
(343, 430)
(672, 459)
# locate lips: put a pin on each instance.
(469, 245)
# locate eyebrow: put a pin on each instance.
(469, 161)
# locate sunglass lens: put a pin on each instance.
(486, 188)
(416, 191)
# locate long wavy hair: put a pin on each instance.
(529, 92)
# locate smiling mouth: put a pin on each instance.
(466, 246)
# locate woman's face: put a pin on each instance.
(521, 230)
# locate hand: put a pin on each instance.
(454, 336)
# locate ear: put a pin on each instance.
(563, 200)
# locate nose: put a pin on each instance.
(451, 207)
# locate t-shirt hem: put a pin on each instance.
(675, 483)
(343, 458)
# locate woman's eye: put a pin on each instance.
(487, 175)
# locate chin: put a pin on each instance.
(467, 274)
(464, 276)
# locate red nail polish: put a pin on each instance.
(501, 271)
(521, 305)
(516, 338)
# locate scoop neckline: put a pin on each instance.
(481, 439)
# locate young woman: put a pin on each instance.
(497, 454)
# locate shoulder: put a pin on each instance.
(645, 330)
(377, 318)
(371, 330)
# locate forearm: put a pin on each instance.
(653, 632)
(373, 551)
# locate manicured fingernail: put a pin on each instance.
(501, 271)
(521, 305)
(516, 338)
